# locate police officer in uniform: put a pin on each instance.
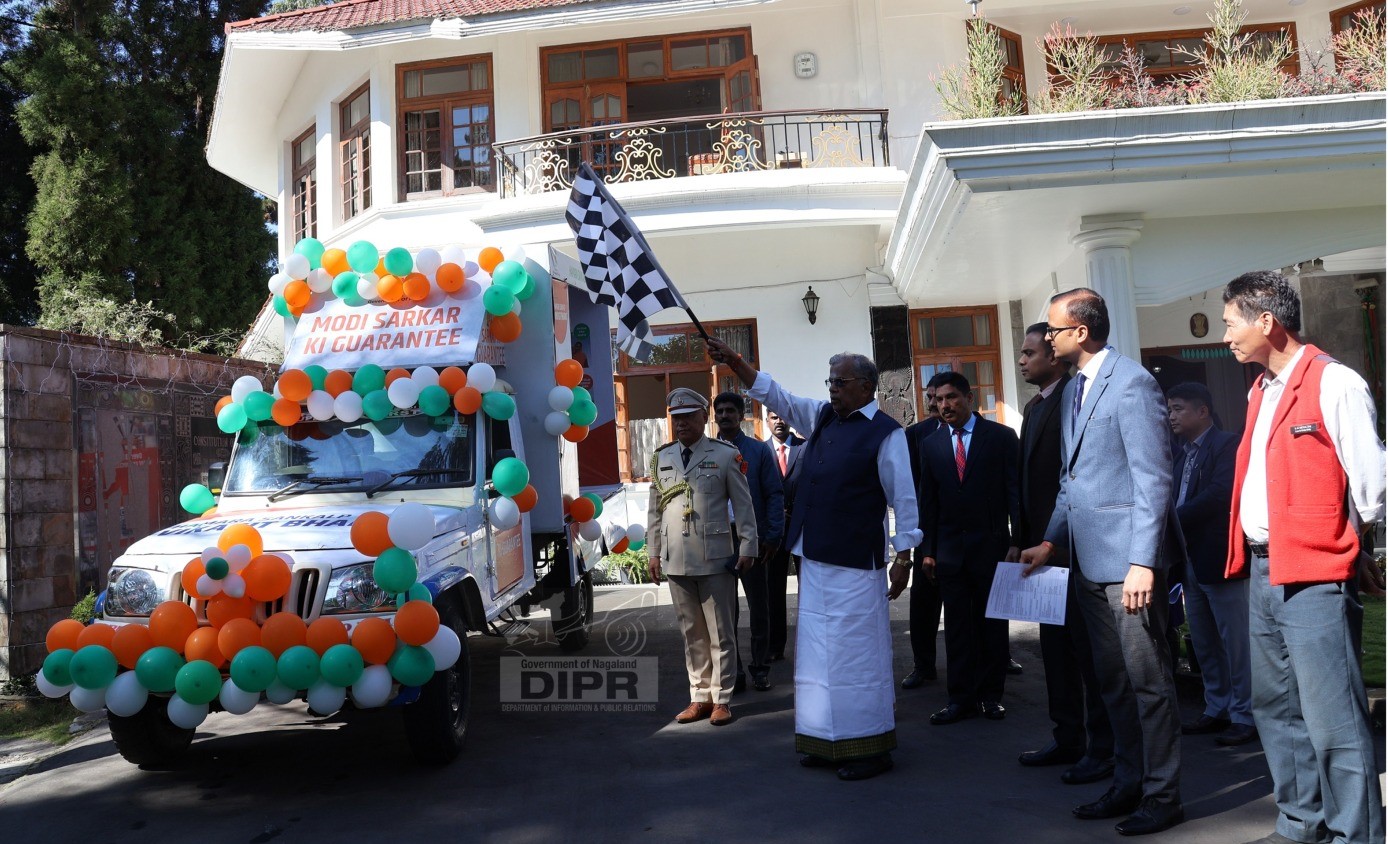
(690, 540)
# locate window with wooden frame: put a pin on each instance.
(303, 198)
(446, 127)
(1348, 17)
(960, 340)
(1014, 77)
(354, 150)
(1169, 54)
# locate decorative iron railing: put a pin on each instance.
(695, 146)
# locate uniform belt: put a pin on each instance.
(1257, 549)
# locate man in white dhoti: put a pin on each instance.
(852, 467)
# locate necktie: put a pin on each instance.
(685, 454)
(1079, 397)
(1186, 472)
(781, 457)
(959, 451)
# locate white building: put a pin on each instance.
(929, 244)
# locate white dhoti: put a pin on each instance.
(844, 694)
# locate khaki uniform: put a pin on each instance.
(693, 538)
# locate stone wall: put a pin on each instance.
(57, 392)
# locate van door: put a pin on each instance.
(509, 549)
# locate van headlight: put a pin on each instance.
(132, 592)
(353, 589)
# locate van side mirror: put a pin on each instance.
(216, 476)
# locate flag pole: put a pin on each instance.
(698, 325)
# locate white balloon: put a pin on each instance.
(481, 377)
(296, 266)
(237, 556)
(324, 698)
(561, 398)
(320, 281)
(590, 530)
(277, 283)
(425, 376)
(366, 287)
(504, 514)
(244, 386)
(275, 391)
(47, 689)
(445, 647)
(470, 269)
(211, 553)
(234, 585)
(125, 696)
(279, 693)
(411, 526)
(207, 587)
(403, 392)
(320, 405)
(515, 253)
(556, 423)
(237, 700)
(88, 700)
(347, 406)
(453, 255)
(186, 715)
(516, 307)
(615, 535)
(637, 532)
(372, 689)
(427, 261)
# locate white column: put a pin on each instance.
(1108, 266)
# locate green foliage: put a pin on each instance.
(1371, 659)
(281, 6)
(85, 609)
(1238, 67)
(976, 89)
(17, 272)
(634, 563)
(42, 719)
(1080, 83)
(1360, 49)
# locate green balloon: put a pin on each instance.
(420, 592)
(311, 248)
(412, 665)
(638, 545)
(298, 667)
(583, 412)
(157, 669)
(395, 570)
(510, 475)
(258, 405)
(498, 300)
(342, 665)
(389, 425)
(498, 405)
(528, 290)
(218, 568)
(582, 394)
(376, 405)
(93, 667)
(196, 499)
(597, 503)
(345, 285)
(398, 263)
(281, 306)
(249, 433)
(56, 665)
(317, 376)
(368, 379)
(231, 418)
(198, 682)
(362, 256)
(253, 669)
(510, 275)
(434, 400)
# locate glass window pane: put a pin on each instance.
(481, 77)
(737, 336)
(1154, 53)
(728, 50)
(601, 64)
(924, 337)
(1179, 54)
(566, 67)
(953, 331)
(983, 333)
(358, 109)
(986, 399)
(304, 151)
(645, 60)
(412, 83)
(689, 55)
(984, 374)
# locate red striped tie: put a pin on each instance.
(959, 452)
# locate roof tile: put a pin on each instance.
(352, 14)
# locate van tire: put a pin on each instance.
(436, 724)
(148, 738)
(574, 620)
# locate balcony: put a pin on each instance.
(694, 146)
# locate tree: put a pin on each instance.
(17, 272)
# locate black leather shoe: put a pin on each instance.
(808, 761)
(761, 682)
(953, 713)
(1205, 724)
(1151, 817)
(1236, 735)
(778, 656)
(915, 679)
(992, 710)
(1111, 805)
(1014, 667)
(864, 769)
(740, 685)
(1052, 754)
(1088, 770)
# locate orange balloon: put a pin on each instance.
(326, 632)
(296, 295)
(452, 379)
(296, 312)
(582, 510)
(468, 401)
(450, 278)
(390, 288)
(416, 622)
(295, 385)
(506, 328)
(241, 534)
(395, 375)
(267, 578)
(335, 261)
(488, 258)
(285, 412)
(375, 639)
(221, 403)
(224, 609)
(202, 644)
(64, 634)
(282, 631)
(171, 623)
(130, 643)
(526, 499)
(191, 572)
(369, 534)
(380, 266)
(576, 433)
(237, 634)
(621, 546)
(96, 634)
(417, 287)
(338, 382)
(568, 373)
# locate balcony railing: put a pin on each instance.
(695, 146)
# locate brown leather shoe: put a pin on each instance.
(697, 710)
(722, 714)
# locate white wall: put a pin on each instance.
(1169, 324)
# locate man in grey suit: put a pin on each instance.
(1114, 510)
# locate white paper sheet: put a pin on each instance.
(1039, 598)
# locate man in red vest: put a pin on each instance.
(1309, 475)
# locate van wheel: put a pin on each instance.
(436, 724)
(575, 618)
(148, 738)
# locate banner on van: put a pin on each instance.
(440, 331)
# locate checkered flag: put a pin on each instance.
(619, 268)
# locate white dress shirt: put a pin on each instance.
(893, 459)
(1090, 371)
(1347, 407)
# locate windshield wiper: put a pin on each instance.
(317, 482)
(414, 473)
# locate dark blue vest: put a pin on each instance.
(839, 503)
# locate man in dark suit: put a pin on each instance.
(785, 447)
(969, 510)
(1216, 607)
(925, 592)
(1081, 734)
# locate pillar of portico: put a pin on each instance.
(1108, 267)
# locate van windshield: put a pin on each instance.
(338, 456)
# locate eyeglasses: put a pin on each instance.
(840, 382)
(1052, 330)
